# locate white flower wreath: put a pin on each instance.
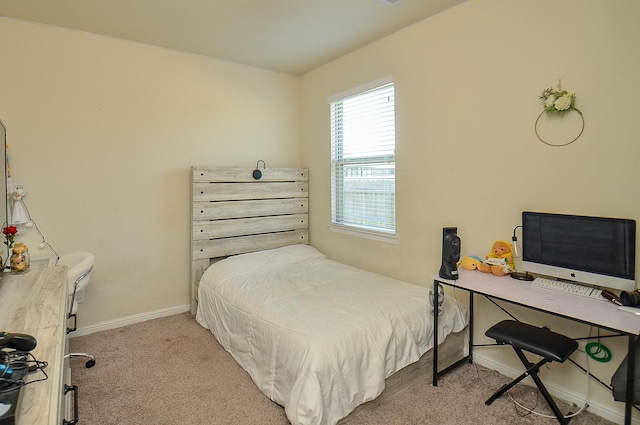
(558, 101)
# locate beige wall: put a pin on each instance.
(102, 133)
(467, 87)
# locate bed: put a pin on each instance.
(321, 338)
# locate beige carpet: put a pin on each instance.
(172, 371)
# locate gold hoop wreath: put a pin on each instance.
(559, 144)
(558, 102)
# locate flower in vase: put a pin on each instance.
(9, 233)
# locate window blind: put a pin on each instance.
(363, 159)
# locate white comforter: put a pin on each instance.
(317, 337)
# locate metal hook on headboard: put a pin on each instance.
(257, 174)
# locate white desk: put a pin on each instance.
(36, 303)
(599, 313)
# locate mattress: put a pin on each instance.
(317, 336)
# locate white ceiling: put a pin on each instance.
(292, 36)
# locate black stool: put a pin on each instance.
(549, 345)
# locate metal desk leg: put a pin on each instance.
(468, 358)
(631, 360)
(436, 286)
(471, 327)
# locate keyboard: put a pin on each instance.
(568, 287)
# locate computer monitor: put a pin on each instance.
(599, 251)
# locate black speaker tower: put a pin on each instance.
(450, 253)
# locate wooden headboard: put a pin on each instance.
(233, 213)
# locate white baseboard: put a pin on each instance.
(614, 415)
(129, 320)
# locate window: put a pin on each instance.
(363, 139)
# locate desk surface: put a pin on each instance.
(597, 312)
(35, 304)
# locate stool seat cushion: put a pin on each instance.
(540, 341)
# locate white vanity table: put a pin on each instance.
(36, 303)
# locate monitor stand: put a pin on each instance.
(522, 276)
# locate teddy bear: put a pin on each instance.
(18, 263)
(20, 258)
(499, 262)
(501, 258)
(20, 248)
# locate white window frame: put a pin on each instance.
(387, 235)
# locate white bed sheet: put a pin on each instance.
(317, 337)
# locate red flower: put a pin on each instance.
(9, 233)
(9, 230)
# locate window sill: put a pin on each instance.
(365, 234)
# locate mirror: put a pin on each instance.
(3, 191)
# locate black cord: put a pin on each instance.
(20, 363)
(528, 410)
